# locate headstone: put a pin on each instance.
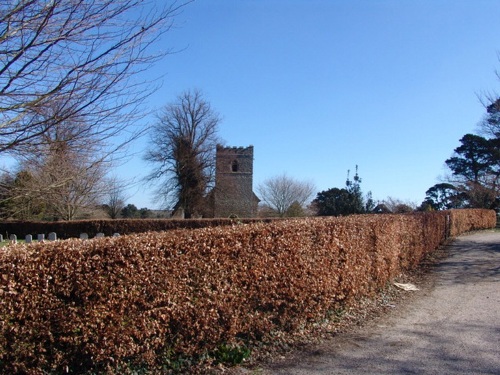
(28, 238)
(99, 235)
(1, 237)
(84, 236)
(116, 235)
(13, 238)
(52, 236)
(41, 237)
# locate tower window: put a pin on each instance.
(234, 166)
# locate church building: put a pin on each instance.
(233, 193)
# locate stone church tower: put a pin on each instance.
(233, 193)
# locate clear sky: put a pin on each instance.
(320, 86)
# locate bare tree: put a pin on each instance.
(182, 149)
(281, 193)
(64, 176)
(15, 202)
(399, 206)
(114, 198)
(75, 185)
(78, 58)
(68, 183)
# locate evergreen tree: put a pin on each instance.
(345, 201)
(356, 201)
(130, 211)
(443, 196)
(476, 170)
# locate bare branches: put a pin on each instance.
(281, 192)
(79, 58)
(182, 148)
(114, 198)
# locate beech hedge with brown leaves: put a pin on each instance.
(143, 300)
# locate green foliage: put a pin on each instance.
(334, 202)
(342, 202)
(295, 210)
(444, 196)
(476, 167)
(474, 158)
(356, 203)
(369, 202)
(491, 123)
(231, 354)
(144, 213)
(130, 211)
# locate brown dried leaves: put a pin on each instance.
(143, 299)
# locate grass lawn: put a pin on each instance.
(5, 243)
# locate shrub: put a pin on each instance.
(152, 300)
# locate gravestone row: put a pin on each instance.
(51, 237)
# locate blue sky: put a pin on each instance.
(320, 86)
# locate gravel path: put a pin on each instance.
(452, 326)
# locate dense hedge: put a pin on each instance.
(468, 220)
(72, 229)
(145, 300)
